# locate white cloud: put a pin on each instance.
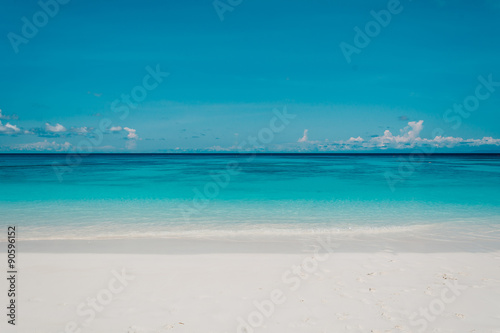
(484, 141)
(440, 141)
(43, 146)
(304, 138)
(408, 137)
(115, 129)
(8, 128)
(131, 133)
(132, 137)
(55, 129)
(357, 140)
(80, 130)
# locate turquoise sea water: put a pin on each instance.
(110, 196)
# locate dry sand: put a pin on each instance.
(315, 285)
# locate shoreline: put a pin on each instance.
(416, 242)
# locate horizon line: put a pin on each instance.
(244, 153)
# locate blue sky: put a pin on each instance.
(68, 83)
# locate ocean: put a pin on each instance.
(104, 196)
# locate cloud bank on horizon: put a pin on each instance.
(408, 138)
(61, 133)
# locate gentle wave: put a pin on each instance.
(223, 233)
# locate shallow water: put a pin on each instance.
(121, 196)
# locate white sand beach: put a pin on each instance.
(320, 285)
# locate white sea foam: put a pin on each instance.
(247, 232)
